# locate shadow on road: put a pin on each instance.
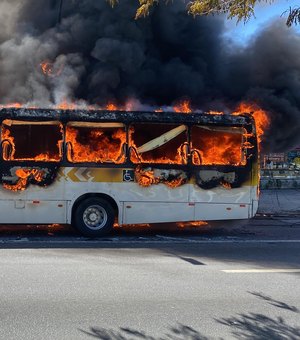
(275, 303)
(259, 326)
(180, 332)
(243, 326)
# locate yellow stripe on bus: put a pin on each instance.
(90, 174)
(83, 174)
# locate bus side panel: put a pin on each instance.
(109, 181)
(136, 196)
(12, 211)
(45, 212)
(157, 212)
(240, 195)
(219, 211)
(25, 212)
(221, 203)
(12, 206)
(35, 204)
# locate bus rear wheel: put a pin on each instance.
(94, 217)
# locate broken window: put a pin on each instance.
(158, 143)
(217, 145)
(96, 142)
(37, 141)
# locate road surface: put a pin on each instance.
(158, 283)
(164, 290)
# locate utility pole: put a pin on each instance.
(60, 11)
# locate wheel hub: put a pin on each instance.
(95, 217)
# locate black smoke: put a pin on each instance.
(101, 54)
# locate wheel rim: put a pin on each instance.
(95, 217)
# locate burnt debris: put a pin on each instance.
(40, 114)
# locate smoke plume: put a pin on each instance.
(98, 54)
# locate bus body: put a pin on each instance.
(87, 168)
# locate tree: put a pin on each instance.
(242, 10)
(293, 16)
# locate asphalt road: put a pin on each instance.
(155, 291)
(155, 283)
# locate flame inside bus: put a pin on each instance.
(35, 141)
(92, 142)
(158, 143)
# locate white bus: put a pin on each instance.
(90, 168)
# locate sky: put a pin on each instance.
(264, 14)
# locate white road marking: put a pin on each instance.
(174, 240)
(267, 270)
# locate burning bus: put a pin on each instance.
(89, 168)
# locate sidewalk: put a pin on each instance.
(280, 202)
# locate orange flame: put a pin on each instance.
(23, 178)
(11, 105)
(195, 224)
(262, 121)
(111, 107)
(174, 183)
(165, 154)
(145, 178)
(217, 147)
(226, 185)
(96, 145)
(171, 158)
(184, 106)
(65, 105)
(46, 67)
(209, 146)
(9, 149)
(216, 112)
(49, 69)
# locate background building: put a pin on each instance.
(281, 170)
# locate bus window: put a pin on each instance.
(35, 141)
(158, 143)
(95, 142)
(217, 145)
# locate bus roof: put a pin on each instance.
(81, 115)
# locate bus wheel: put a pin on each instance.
(94, 217)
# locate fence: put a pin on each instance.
(280, 179)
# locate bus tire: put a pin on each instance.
(94, 217)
